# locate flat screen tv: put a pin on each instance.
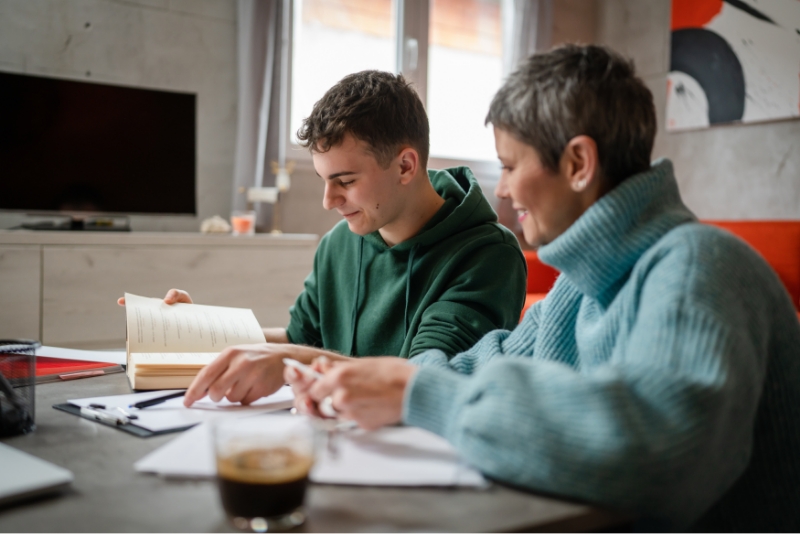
(72, 147)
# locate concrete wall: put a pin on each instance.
(725, 172)
(574, 21)
(182, 45)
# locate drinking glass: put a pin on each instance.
(262, 470)
(243, 222)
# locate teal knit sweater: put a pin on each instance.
(661, 375)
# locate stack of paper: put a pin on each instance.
(393, 456)
(162, 370)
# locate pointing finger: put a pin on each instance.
(207, 376)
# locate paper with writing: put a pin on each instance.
(157, 327)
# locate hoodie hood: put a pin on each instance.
(464, 207)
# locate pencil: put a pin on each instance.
(157, 400)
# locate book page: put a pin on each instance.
(157, 327)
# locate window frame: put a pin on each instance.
(412, 29)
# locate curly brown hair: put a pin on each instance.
(379, 108)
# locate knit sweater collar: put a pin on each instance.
(601, 247)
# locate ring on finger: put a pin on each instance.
(326, 407)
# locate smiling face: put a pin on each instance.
(545, 201)
(368, 196)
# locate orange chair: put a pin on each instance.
(541, 278)
(777, 241)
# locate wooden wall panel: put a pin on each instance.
(20, 291)
(81, 285)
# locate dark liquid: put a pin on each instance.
(263, 483)
(243, 499)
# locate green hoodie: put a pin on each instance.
(462, 276)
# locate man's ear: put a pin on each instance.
(580, 163)
(408, 160)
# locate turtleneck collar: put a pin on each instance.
(605, 242)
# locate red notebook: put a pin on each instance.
(52, 369)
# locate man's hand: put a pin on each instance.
(246, 373)
(243, 373)
(368, 391)
(173, 296)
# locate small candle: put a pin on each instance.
(243, 222)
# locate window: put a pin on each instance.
(465, 67)
(450, 49)
(334, 38)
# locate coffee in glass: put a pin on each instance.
(262, 470)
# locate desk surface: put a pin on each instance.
(108, 495)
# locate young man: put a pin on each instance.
(660, 375)
(419, 262)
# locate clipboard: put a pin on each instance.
(170, 415)
(129, 428)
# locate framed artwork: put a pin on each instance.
(733, 61)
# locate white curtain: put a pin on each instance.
(531, 23)
(527, 28)
(261, 31)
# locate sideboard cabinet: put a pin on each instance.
(61, 287)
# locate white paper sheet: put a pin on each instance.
(190, 455)
(173, 414)
(395, 456)
(106, 356)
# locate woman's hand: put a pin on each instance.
(368, 391)
(301, 384)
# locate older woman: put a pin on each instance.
(661, 373)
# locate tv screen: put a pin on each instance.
(69, 146)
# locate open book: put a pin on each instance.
(169, 344)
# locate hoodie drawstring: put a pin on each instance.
(409, 269)
(354, 315)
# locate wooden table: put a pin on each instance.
(109, 496)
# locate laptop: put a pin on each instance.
(28, 476)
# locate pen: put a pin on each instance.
(303, 368)
(117, 408)
(326, 406)
(81, 374)
(101, 415)
(157, 400)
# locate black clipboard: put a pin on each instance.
(129, 428)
